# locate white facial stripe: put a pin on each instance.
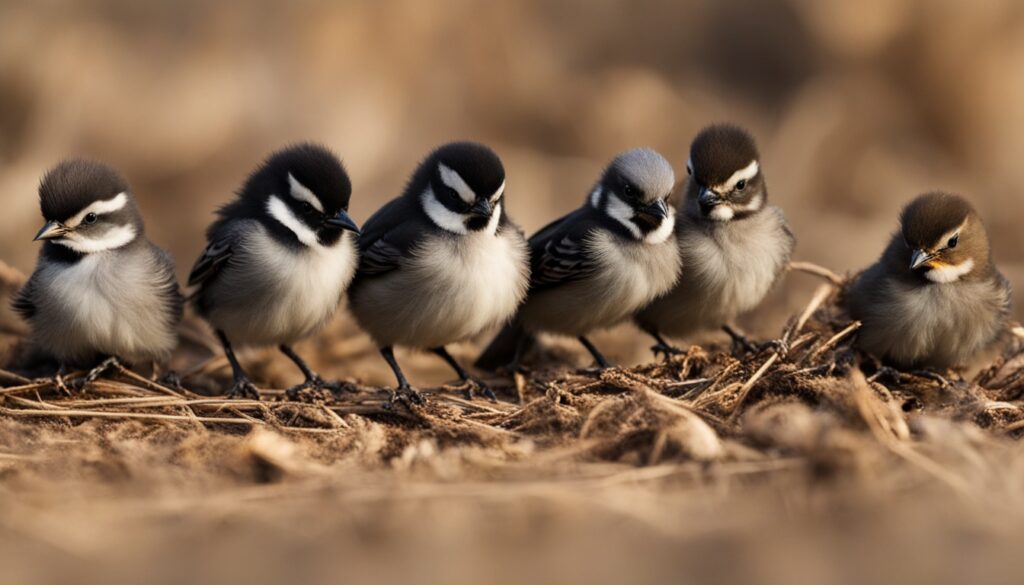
(452, 179)
(114, 238)
(300, 192)
(595, 197)
(689, 166)
(722, 212)
(950, 272)
(498, 193)
(745, 174)
(753, 205)
(621, 212)
(280, 211)
(442, 217)
(115, 203)
(663, 231)
(492, 224)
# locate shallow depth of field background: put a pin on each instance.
(857, 107)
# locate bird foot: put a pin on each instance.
(886, 373)
(666, 351)
(933, 376)
(96, 373)
(406, 395)
(316, 389)
(171, 379)
(779, 346)
(471, 386)
(243, 388)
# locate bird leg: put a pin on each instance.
(404, 392)
(602, 363)
(739, 340)
(243, 386)
(313, 380)
(170, 378)
(470, 383)
(111, 363)
(662, 347)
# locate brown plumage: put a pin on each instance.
(935, 297)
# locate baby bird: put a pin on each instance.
(734, 246)
(934, 299)
(279, 259)
(598, 265)
(441, 263)
(100, 290)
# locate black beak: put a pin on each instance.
(708, 198)
(342, 222)
(482, 208)
(50, 231)
(655, 212)
(919, 258)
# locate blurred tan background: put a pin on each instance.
(857, 106)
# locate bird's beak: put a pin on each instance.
(919, 258)
(708, 198)
(342, 221)
(482, 208)
(52, 230)
(656, 211)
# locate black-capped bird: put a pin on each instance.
(279, 259)
(734, 246)
(597, 266)
(935, 298)
(100, 290)
(442, 262)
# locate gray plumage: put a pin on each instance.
(934, 298)
(100, 289)
(734, 247)
(598, 265)
(442, 262)
(279, 258)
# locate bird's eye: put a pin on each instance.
(953, 241)
(306, 207)
(741, 184)
(90, 218)
(628, 191)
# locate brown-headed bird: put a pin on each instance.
(934, 299)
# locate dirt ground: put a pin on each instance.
(716, 466)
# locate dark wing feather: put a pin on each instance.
(217, 252)
(558, 252)
(23, 303)
(389, 236)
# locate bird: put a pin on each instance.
(734, 246)
(934, 298)
(278, 260)
(100, 292)
(442, 262)
(596, 266)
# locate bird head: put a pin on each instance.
(88, 207)
(304, 188)
(460, 186)
(725, 174)
(945, 239)
(634, 191)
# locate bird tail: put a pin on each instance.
(502, 350)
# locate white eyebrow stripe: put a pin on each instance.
(946, 237)
(745, 174)
(454, 180)
(498, 192)
(115, 203)
(302, 193)
(280, 211)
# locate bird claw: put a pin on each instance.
(779, 346)
(470, 386)
(406, 395)
(886, 373)
(171, 379)
(244, 389)
(665, 350)
(315, 389)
